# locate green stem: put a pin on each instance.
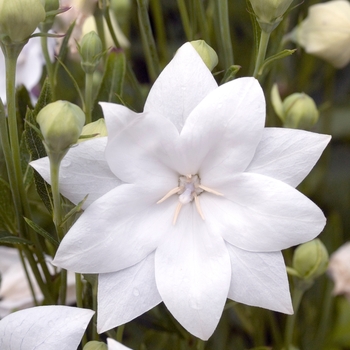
(224, 25)
(149, 45)
(49, 65)
(200, 344)
(202, 20)
(120, 332)
(94, 307)
(264, 41)
(185, 19)
(89, 78)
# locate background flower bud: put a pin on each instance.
(90, 50)
(310, 260)
(207, 53)
(296, 111)
(61, 123)
(270, 13)
(95, 345)
(325, 32)
(19, 18)
(98, 127)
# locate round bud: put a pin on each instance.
(95, 345)
(207, 53)
(310, 259)
(19, 19)
(90, 50)
(61, 123)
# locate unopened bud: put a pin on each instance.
(94, 129)
(207, 53)
(95, 345)
(310, 260)
(269, 13)
(19, 19)
(61, 123)
(296, 111)
(90, 50)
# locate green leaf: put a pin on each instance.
(45, 97)
(41, 232)
(7, 210)
(230, 73)
(7, 238)
(76, 210)
(273, 58)
(112, 82)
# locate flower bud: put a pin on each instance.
(310, 259)
(19, 19)
(61, 123)
(90, 50)
(95, 345)
(208, 55)
(296, 111)
(325, 32)
(339, 270)
(269, 13)
(94, 129)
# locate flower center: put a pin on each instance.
(189, 189)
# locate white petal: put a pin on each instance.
(126, 294)
(84, 170)
(183, 83)
(223, 131)
(114, 345)
(259, 213)
(145, 144)
(288, 155)
(259, 279)
(44, 327)
(193, 273)
(116, 231)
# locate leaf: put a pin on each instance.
(7, 210)
(45, 97)
(41, 232)
(76, 210)
(7, 238)
(37, 150)
(271, 59)
(112, 82)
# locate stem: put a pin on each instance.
(202, 20)
(94, 307)
(120, 332)
(264, 40)
(49, 65)
(89, 77)
(185, 19)
(222, 8)
(149, 45)
(200, 344)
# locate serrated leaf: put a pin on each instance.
(45, 97)
(42, 232)
(7, 238)
(112, 82)
(7, 211)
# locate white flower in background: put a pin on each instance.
(114, 345)
(325, 32)
(339, 270)
(192, 201)
(15, 293)
(29, 66)
(44, 328)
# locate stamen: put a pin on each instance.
(199, 209)
(205, 188)
(169, 194)
(177, 211)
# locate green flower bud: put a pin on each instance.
(296, 111)
(49, 5)
(310, 259)
(269, 13)
(19, 19)
(208, 55)
(61, 123)
(95, 345)
(90, 50)
(94, 129)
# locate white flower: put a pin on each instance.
(15, 293)
(339, 269)
(325, 32)
(44, 328)
(29, 66)
(231, 204)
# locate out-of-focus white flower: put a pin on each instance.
(15, 293)
(204, 205)
(29, 65)
(325, 32)
(339, 270)
(114, 345)
(44, 328)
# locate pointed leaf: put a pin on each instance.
(7, 238)
(7, 211)
(41, 232)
